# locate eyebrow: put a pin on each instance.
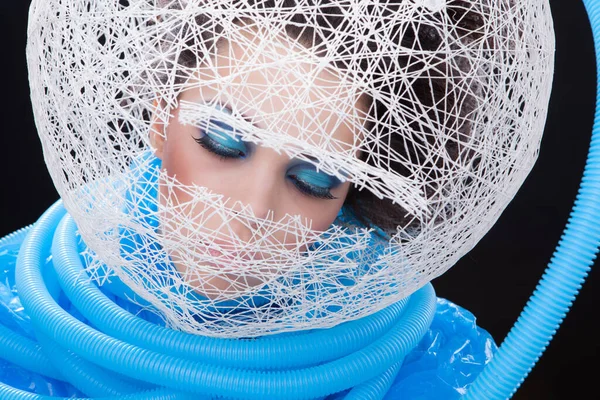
(310, 158)
(228, 106)
(246, 118)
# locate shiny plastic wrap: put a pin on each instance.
(442, 366)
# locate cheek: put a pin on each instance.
(183, 159)
(325, 217)
(324, 212)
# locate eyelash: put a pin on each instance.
(311, 190)
(221, 151)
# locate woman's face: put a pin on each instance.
(272, 95)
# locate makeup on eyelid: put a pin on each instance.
(223, 142)
(273, 186)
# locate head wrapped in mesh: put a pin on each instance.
(443, 103)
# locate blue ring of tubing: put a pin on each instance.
(376, 364)
(299, 350)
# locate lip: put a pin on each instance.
(229, 256)
(215, 253)
(225, 260)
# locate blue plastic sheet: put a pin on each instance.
(443, 365)
(448, 358)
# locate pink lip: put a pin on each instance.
(230, 256)
(215, 253)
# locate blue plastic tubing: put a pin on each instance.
(561, 281)
(121, 356)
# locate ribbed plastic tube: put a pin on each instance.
(10, 393)
(376, 388)
(299, 350)
(88, 378)
(120, 354)
(562, 279)
(15, 237)
(26, 354)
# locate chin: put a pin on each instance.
(218, 285)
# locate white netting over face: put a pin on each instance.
(251, 167)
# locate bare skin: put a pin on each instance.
(262, 179)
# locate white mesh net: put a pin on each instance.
(252, 167)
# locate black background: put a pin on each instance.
(493, 281)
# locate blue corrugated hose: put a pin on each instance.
(134, 352)
(118, 355)
(562, 279)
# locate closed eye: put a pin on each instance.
(311, 182)
(217, 148)
(311, 190)
(221, 139)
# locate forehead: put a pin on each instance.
(281, 87)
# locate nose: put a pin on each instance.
(259, 189)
